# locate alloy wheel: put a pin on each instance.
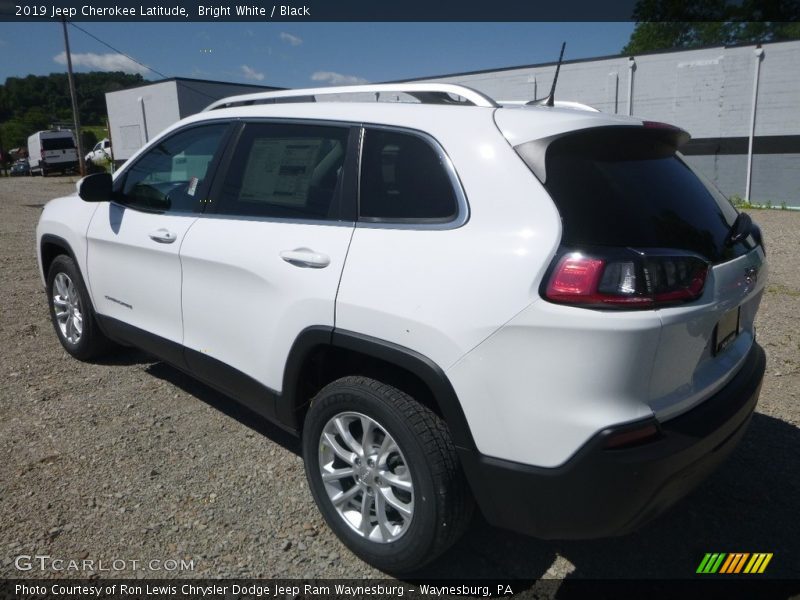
(366, 477)
(67, 308)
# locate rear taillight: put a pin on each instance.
(626, 278)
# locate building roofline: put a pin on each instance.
(193, 80)
(590, 59)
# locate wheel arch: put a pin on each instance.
(51, 246)
(322, 354)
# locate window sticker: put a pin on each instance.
(192, 186)
(279, 171)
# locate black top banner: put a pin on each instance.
(312, 10)
(382, 10)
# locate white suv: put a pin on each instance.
(541, 310)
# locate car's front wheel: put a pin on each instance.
(384, 473)
(71, 311)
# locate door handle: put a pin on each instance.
(162, 236)
(304, 257)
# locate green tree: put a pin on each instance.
(668, 24)
(89, 139)
(29, 104)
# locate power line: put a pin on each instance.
(128, 56)
(141, 64)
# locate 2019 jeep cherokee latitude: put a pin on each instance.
(543, 310)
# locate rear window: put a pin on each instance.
(627, 187)
(58, 143)
(404, 179)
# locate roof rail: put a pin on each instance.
(427, 93)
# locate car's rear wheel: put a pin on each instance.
(71, 311)
(384, 473)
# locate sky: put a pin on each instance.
(301, 54)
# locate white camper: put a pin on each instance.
(53, 150)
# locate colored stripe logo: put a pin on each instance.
(734, 563)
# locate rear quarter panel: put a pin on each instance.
(441, 292)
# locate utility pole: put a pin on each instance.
(3, 164)
(759, 54)
(75, 116)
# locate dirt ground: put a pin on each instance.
(129, 459)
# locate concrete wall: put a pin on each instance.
(708, 92)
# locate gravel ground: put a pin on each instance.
(131, 460)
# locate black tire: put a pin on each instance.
(91, 342)
(443, 504)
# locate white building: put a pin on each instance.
(709, 92)
(137, 114)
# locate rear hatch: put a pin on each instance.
(643, 231)
(58, 148)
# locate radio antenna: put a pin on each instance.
(549, 100)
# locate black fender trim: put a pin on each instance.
(306, 342)
(421, 366)
(49, 238)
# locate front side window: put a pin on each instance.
(172, 175)
(404, 179)
(283, 170)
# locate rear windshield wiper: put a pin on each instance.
(742, 227)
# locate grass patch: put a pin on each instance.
(740, 203)
(783, 289)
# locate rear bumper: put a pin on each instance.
(601, 492)
(61, 165)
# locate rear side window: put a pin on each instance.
(403, 179)
(627, 187)
(286, 171)
(58, 143)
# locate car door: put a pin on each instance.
(134, 240)
(264, 260)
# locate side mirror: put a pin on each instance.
(95, 188)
